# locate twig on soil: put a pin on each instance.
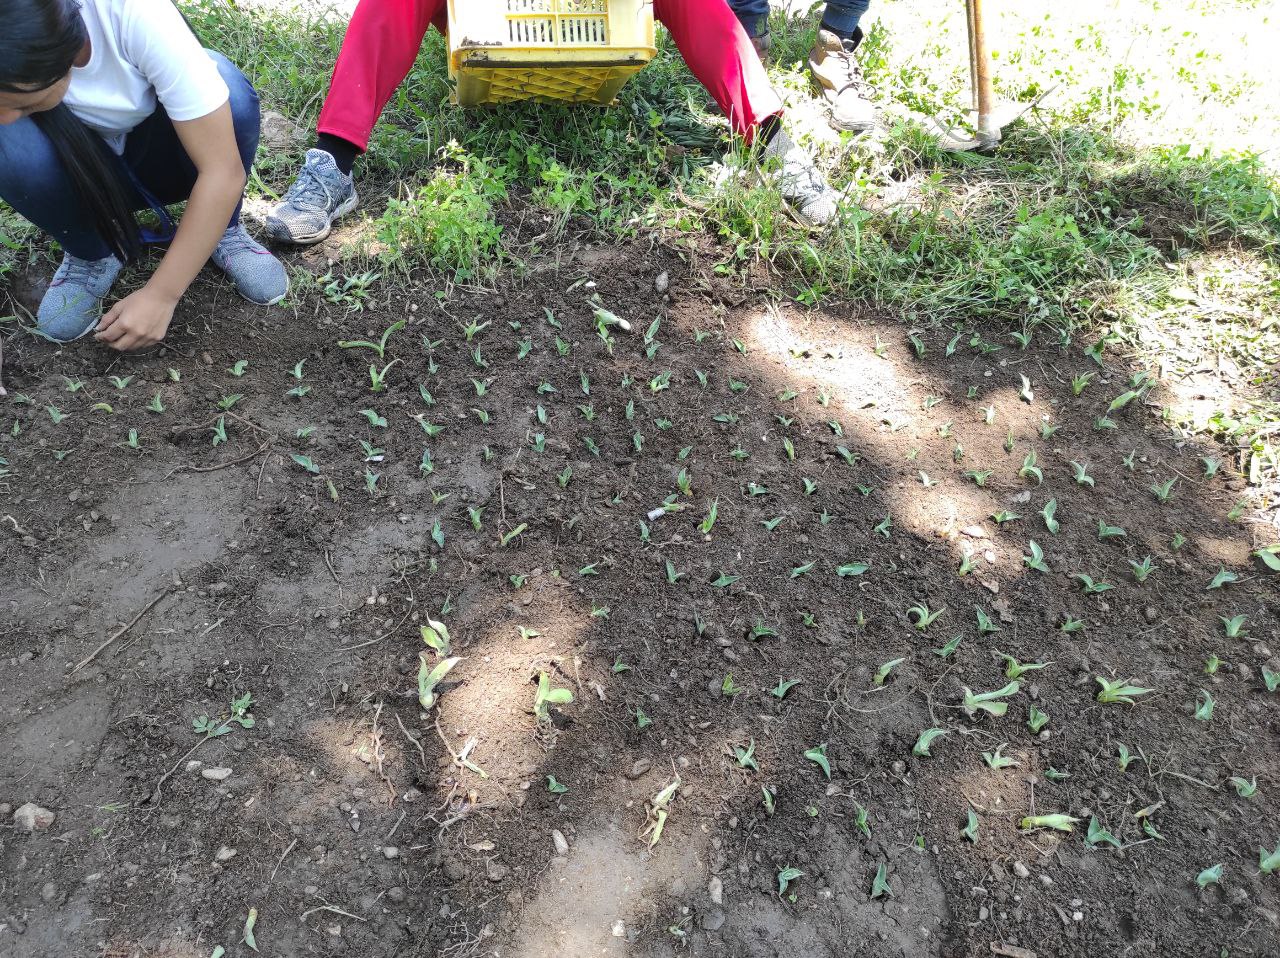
(261, 469)
(394, 827)
(18, 530)
(329, 563)
(375, 737)
(385, 635)
(221, 465)
(132, 622)
(292, 844)
(416, 743)
(336, 911)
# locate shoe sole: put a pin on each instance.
(344, 208)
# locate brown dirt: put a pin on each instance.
(356, 833)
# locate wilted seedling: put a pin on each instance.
(548, 696)
(745, 757)
(1204, 706)
(1210, 876)
(997, 760)
(1081, 472)
(989, 702)
(925, 740)
(1049, 513)
(922, 616)
(656, 811)
(970, 831)
(1119, 691)
(883, 672)
(1143, 569)
(1223, 577)
(818, 755)
(380, 347)
(1059, 822)
(1036, 559)
(507, 538)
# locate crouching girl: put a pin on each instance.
(108, 107)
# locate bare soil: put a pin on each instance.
(354, 829)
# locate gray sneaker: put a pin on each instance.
(840, 81)
(803, 188)
(72, 305)
(321, 195)
(259, 276)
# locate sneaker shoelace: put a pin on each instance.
(236, 240)
(308, 192)
(80, 270)
(853, 70)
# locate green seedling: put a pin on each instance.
(642, 721)
(132, 441)
(555, 787)
(1245, 788)
(156, 405)
(73, 385)
(861, 820)
(745, 757)
(1047, 430)
(1061, 823)
(430, 676)
(1009, 442)
(1053, 775)
(1079, 383)
(1109, 532)
(1072, 625)
(852, 569)
(684, 482)
(970, 831)
(1142, 570)
(374, 419)
(1212, 664)
(306, 463)
(1026, 393)
(997, 760)
(657, 812)
(880, 884)
(506, 539)
(1211, 466)
(1177, 542)
(437, 534)
(989, 702)
(1204, 706)
(922, 617)
(708, 523)
(882, 674)
(548, 696)
(473, 329)
(967, 563)
(1049, 514)
(786, 877)
(949, 649)
(527, 633)
(239, 715)
(1004, 517)
(818, 755)
(1013, 669)
(724, 580)
(1081, 473)
(802, 569)
(56, 414)
(769, 797)
(1036, 559)
(850, 458)
(122, 382)
(371, 480)
(1123, 400)
(103, 407)
(1234, 626)
(1030, 470)
(1269, 862)
(619, 666)
(1097, 835)
(1210, 876)
(1036, 719)
(673, 576)
(1270, 679)
(1164, 491)
(380, 347)
(729, 688)
(249, 922)
(925, 740)
(1119, 691)
(1125, 758)
(1089, 586)
(917, 344)
(783, 687)
(1222, 578)
(1238, 510)
(431, 429)
(985, 625)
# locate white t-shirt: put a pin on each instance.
(143, 51)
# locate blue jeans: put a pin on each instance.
(842, 15)
(34, 182)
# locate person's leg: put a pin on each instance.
(379, 50)
(35, 183)
(836, 70)
(754, 17)
(165, 174)
(721, 57)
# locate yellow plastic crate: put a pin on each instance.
(579, 51)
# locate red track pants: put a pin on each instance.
(384, 37)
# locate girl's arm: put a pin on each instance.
(142, 318)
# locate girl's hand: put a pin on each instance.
(139, 320)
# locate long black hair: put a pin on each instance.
(38, 46)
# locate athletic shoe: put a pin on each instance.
(803, 188)
(72, 305)
(841, 83)
(321, 195)
(259, 277)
